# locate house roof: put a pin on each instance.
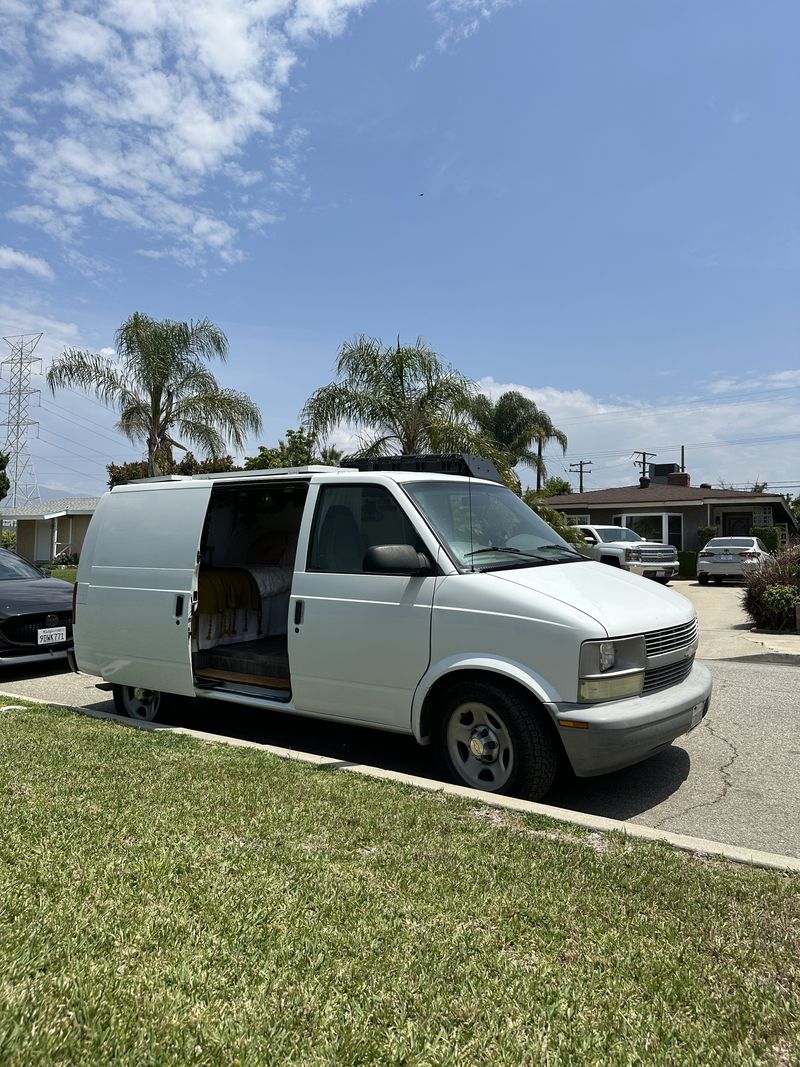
(48, 509)
(657, 494)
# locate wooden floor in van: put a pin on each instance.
(264, 662)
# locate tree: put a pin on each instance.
(122, 473)
(402, 399)
(543, 434)
(5, 484)
(296, 451)
(160, 387)
(552, 517)
(515, 422)
(555, 486)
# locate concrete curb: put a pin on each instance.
(696, 845)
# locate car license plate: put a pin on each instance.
(725, 559)
(697, 715)
(52, 635)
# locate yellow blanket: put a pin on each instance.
(223, 591)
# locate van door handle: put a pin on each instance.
(179, 605)
(298, 612)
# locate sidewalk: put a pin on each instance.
(726, 631)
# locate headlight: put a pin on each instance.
(611, 670)
(632, 555)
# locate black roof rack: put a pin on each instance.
(457, 463)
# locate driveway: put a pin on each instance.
(726, 632)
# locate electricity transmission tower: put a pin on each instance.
(24, 487)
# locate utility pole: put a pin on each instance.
(24, 487)
(643, 460)
(579, 466)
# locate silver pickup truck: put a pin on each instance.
(621, 547)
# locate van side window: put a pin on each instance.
(352, 518)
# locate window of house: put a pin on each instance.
(656, 526)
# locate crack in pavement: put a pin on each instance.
(724, 772)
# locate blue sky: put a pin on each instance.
(610, 219)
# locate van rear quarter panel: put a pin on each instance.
(139, 559)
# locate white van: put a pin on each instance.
(429, 604)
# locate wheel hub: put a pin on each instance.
(483, 744)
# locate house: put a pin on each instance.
(48, 527)
(669, 509)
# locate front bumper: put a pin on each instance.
(652, 570)
(623, 732)
(35, 657)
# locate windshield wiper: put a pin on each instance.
(529, 554)
(496, 548)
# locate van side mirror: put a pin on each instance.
(396, 559)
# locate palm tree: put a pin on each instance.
(516, 423)
(160, 387)
(544, 433)
(403, 399)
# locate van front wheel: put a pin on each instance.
(493, 739)
(138, 703)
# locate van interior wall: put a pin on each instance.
(247, 560)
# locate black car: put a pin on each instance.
(35, 613)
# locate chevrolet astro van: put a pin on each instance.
(388, 595)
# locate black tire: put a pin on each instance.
(612, 561)
(520, 756)
(702, 579)
(663, 581)
(138, 703)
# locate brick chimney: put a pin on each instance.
(679, 478)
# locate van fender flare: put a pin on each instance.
(538, 686)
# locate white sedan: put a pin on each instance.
(730, 557)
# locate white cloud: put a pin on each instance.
(736, 435)
(10, 259)
(460, 19)
(146, 104)
(16, 319)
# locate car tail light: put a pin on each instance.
(748, 555)
(74, 602)
(706, 555)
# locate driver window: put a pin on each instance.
(349, 519)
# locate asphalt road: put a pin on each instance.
(734, 779)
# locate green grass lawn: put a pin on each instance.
(67, 574)
(165, 901)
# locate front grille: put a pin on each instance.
(658, 555)
(660, 641)
(671, 674)
(24, 629)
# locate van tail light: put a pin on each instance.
(74, 602)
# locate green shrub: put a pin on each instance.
(65, 559)
(705, 533)
(772, 590)
(781, 600)
(687, 564)
(9, 539)
(770, 535)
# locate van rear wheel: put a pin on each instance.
(137, 703)
(494, 739)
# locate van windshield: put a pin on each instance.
(486, 527)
